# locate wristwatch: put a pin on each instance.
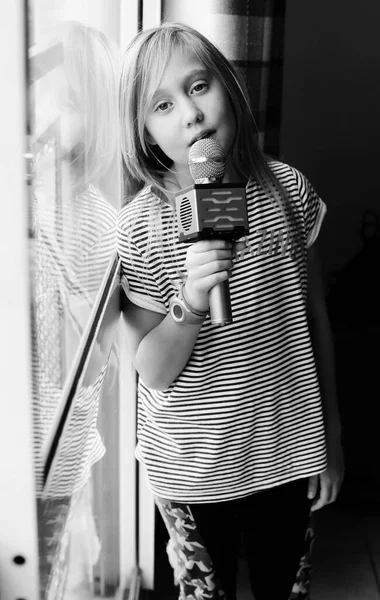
(184, 314)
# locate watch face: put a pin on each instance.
(177, 312)
(181, 314)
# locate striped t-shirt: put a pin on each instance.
(245, 413)
(74, 243)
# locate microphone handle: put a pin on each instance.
(220, 304)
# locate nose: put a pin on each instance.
(191, 113)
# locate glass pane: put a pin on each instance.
(78, 511)
(73, 122)
(74, 198)
(75, 188)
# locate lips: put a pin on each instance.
(201, 136)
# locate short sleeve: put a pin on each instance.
(137, 279)
(313, 207)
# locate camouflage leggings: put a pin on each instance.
(194, 572)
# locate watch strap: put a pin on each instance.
(199, 313)
(182, 312)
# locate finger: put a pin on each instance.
(333, 495)
(335, 491)
(198, 287)
(207, 283)
(214, 244)
(199, 272)
(208, 256)
(313, 487)
(323, 498)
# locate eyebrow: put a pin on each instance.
(193, 74)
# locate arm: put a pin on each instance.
(330, 481)
(161, 347)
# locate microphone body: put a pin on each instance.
(210, 209)
(213, 210)
(220, 304)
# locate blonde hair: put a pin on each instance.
(144, 63)
(91, 69)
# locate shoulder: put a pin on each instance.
(291, 178)
(297, 185)
(138, 207)
(137, 215)
(143, 221)
(312, 209)
(294, 182)
(97, 206)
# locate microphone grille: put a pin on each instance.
(207, 160)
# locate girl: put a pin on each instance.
(233, 422)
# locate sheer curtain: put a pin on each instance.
(251, 35)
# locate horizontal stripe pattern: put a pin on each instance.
(73, 245)
(245, 413)
(81, 445)
(78, 238)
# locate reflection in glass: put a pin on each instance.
(74, 201)
(73, 137)
(78, 510)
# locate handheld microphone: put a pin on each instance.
(210, 209)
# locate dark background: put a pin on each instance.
(331, 132)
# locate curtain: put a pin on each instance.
(251, 34)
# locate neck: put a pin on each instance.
(179, 179)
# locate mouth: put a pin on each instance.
(202, 136)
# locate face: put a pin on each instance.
(189, 103)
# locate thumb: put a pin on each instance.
(313, 487)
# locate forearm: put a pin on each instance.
(164, 352)
(331, 479)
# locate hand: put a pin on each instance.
(324, 488)
(208, 262)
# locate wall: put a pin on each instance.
(331, 113)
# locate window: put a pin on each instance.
(74, 60)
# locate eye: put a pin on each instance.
(198, 87)
(162, 107)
